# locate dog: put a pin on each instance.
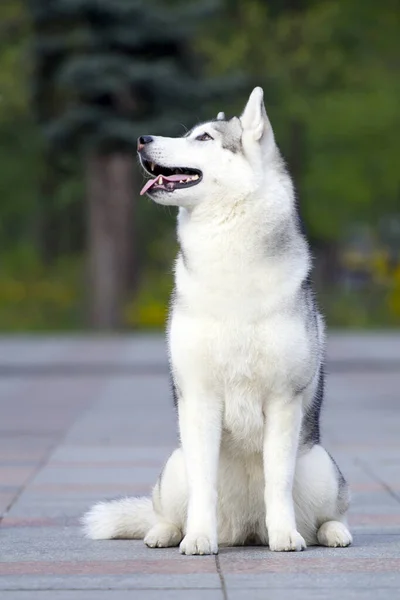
(246, 350)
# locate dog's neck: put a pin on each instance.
(233, 268)
(226, 237)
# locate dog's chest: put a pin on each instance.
(243, 420)
(244, 364)
(248, 370)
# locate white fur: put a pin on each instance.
(125, 518)
(240, 346)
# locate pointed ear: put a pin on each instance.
(254, 117)
(221, 116)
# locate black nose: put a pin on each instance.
(142, 141)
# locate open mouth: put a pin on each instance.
(169, 179)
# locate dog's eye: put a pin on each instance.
(204, 137)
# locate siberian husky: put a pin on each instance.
(246, 349)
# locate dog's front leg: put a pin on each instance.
(281, 439)
(200, 418)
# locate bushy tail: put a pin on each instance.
(125, 518)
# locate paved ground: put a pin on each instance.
(82, 420)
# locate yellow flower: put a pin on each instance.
(151, 314)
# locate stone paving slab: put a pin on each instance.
(77, 350)
(379, 347)
(340, 581)
(68, 579)
(70, 439)
(312, 593)
(146, 350)
(145, 594)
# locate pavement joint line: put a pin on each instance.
(25, 433)
(367, 469)
(81, 370)
(45, 459)
(124, 589)
(368, 533)
(29, 480)
(174, 589)
(221, 577)
(109, 368)
(96, 435)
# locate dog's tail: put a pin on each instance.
(125, 518)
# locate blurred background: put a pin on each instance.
(81, 79)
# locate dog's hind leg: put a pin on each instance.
(163, 535)
(321, 499)
(334, 534)
(170, 502)
(170, 498)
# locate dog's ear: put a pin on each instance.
(254, 117)
(221, 116)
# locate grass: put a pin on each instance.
(37, 298)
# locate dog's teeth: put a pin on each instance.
(152, 166)
(160, 180)
(182, 181)
(195, 177)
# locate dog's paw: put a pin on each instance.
(334, 534)
(198, 544)
(281, 540)
(163, 535)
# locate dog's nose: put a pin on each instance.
(142, 141)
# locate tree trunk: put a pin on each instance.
(110, 207)
(47, 223)
(327, 268)
(296, 153)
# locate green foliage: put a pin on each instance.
(14, 29)
(104, 71)
(329, 74)
(109, 69)
(19, 140)
(38, 298)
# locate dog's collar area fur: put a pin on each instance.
(168, 179)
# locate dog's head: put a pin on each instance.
(222, 158)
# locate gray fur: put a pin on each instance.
(279, 241)
(343, 491)
(174, 390)
(183, 256)
(231, 132)
(310, 428)
(343, 494)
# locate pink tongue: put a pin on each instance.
(152, 182)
